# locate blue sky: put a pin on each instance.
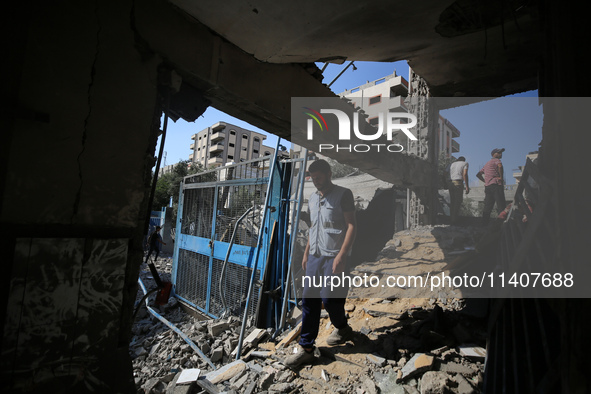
(510, 123)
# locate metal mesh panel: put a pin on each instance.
(193, 271)
(198, 212)
(257, 168)
(236, 282)
(233, 201)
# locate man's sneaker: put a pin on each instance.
(301, 357)
(340, 336)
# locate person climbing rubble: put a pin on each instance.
(331, 235)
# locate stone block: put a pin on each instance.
(218, 328)
(227, 372)
(217, 354)
(377, 360)
(434, 382)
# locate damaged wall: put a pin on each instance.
(75, 175)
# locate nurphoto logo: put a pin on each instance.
(389, 123)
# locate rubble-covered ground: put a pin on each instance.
(432, 343)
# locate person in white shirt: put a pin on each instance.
(458, 172)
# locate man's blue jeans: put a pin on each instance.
(314, 297)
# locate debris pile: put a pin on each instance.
(429, 344)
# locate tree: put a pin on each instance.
(168, 184)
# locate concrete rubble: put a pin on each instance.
(422, 345)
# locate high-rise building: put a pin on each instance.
(224, 143)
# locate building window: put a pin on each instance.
(244, 148)
(374, 121)
(230, 157)
(231, 144)
(255, 150)
(267, 153)
(256, 139)
(232, 132)
(244, 137)
(375, 99)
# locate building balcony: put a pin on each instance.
(217, 136)
(192, 146)
(396, 104)
(216, 148)
(216, 160)
(455, 147)
(218, 126)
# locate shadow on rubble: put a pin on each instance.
(417, 331)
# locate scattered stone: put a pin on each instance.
(464, 386)
(238, 384)
(226, 372)
(349, 307)
(282, 388)
(451, 367)
(266, 380)
(472, 352)
(217, 354)
(370, 386)
(434, 382)
(261, 354)
(365, 330)
(216, 329)
(377, 360)
(419, 363)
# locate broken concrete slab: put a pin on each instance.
(239, 384)
(419, 363)
(472, 352)
(464, 386)
(434, 382)
(377, 360)
(370, 386)
(217, 354)
(227, 372)
(451, 367)
(216, 329)
(282, 388)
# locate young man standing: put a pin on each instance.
(494, 190)
(458, 173)
(332, 215)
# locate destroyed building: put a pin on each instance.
(85, 87)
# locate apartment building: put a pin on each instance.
(224, 143)
(388, 93)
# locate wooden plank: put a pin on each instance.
(293, 334)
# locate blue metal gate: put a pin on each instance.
(209, 205)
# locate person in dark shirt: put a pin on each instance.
(155, 241)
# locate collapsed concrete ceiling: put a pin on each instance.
(461, 48)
